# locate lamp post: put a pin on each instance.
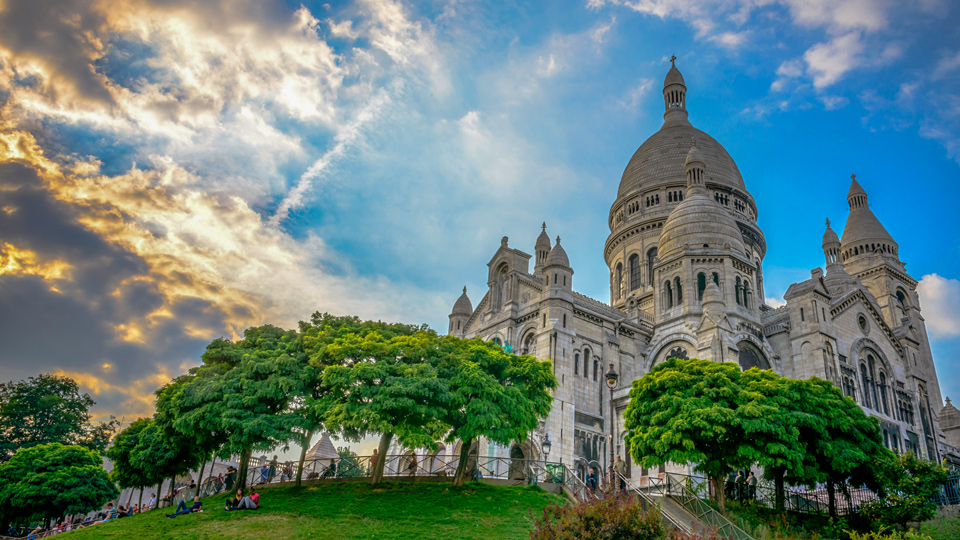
(545, 450)
(612, 378)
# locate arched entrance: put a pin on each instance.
(518, 463)
(750, 356)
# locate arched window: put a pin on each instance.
(716, 278)
(679, 291)
(576, 362)
(596, 368)
(701, 285)
(530, 344)
(651, 256)
(668, 290)
(618, 287)
(883, 393)
(746, 294)
(865, 386)
(587, 355)
(737, 290)
(634, 265)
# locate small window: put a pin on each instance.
(801, 315)
(564, 320)
(863, 323)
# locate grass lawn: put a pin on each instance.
(422, 511)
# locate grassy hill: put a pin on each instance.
(422, 511)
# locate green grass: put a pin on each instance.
(942, 529)
(421, 511)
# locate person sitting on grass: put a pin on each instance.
(182, 508)
(111, 513)
(251, 502)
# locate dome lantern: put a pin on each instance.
(674, 94)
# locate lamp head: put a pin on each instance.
(545, 445)
(612, 377)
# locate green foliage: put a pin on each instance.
(494, 394)
(887, 534)
(51, 480)
(907, 485)
(123, 455)
(942, 529)
(157, 457)
(349, 466)
(49, 409)
(612, 518)
(355, 511)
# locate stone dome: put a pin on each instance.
(862, 227)
(557, 256)
(463, 306)
(949, 416)
(698, 221)
(660, 159)
(543, 241)
(829, 236)
(673, 76)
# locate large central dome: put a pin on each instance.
(659, 160)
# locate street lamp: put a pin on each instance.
(612, 378)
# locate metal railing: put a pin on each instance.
(687, 491)
(949, 491)
(648, 501)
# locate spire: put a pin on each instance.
(542, 249)
(674, 95)
(831, 246)
(694, 168)
(856, 197)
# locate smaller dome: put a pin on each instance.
(463, 306)
(673, 76)
(712, 293)
(699, 221)
(543, 241)
(949, 416)
(693, 156)
(829, 236)
(557, 256)
(855, 188)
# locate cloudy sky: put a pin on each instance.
(174, 171)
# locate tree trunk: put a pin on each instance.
(243, 468)
(303, 456)
(159, 494)
(376, 476)
(720, 495)
(778, 485)
(140, 502)
(203, 466)
(832, 498)
(460, 477)
(130, 498)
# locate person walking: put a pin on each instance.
(591, 482)
(620, 467)
(752, 486)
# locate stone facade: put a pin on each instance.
(686, 279)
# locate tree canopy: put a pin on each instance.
(493, 394)
(907, 486)
(50, 480)
(123, 455)
(49, 409)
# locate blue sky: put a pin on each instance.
(175, 171)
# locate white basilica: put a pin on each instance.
(686, 280)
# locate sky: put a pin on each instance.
(175, 171)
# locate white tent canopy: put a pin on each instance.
(324, 449)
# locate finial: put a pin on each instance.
(853, 177)
(672, 59)
(464, 289)
(828, 223)
(544, 226)
(503, 241)
(558, 238)
(948, 401)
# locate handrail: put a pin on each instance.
(646, 498)
(677, 489)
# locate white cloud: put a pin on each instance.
(947, 65)
(774, 302)
(599, 33)
(828, 62)
(790, 69)
(940, 302)
(636, 94)
(547, 67)
(834, 102)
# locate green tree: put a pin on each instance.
(160, 457)
(842, 443)
(245, 394)
(686, 411)
(203, 438)
(52, 480)
(349, 465)
(122, 454)
(493, 394)
(316, 336)
(47, 409)
(907, 486)
(386, 386)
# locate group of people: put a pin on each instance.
(619, 468)
(742, 486)
(236, 502)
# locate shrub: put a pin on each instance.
(615, 518)
(887, 534)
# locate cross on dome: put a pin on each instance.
(673, 58)
(828, 222)
(544, 226)
(853, 177)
